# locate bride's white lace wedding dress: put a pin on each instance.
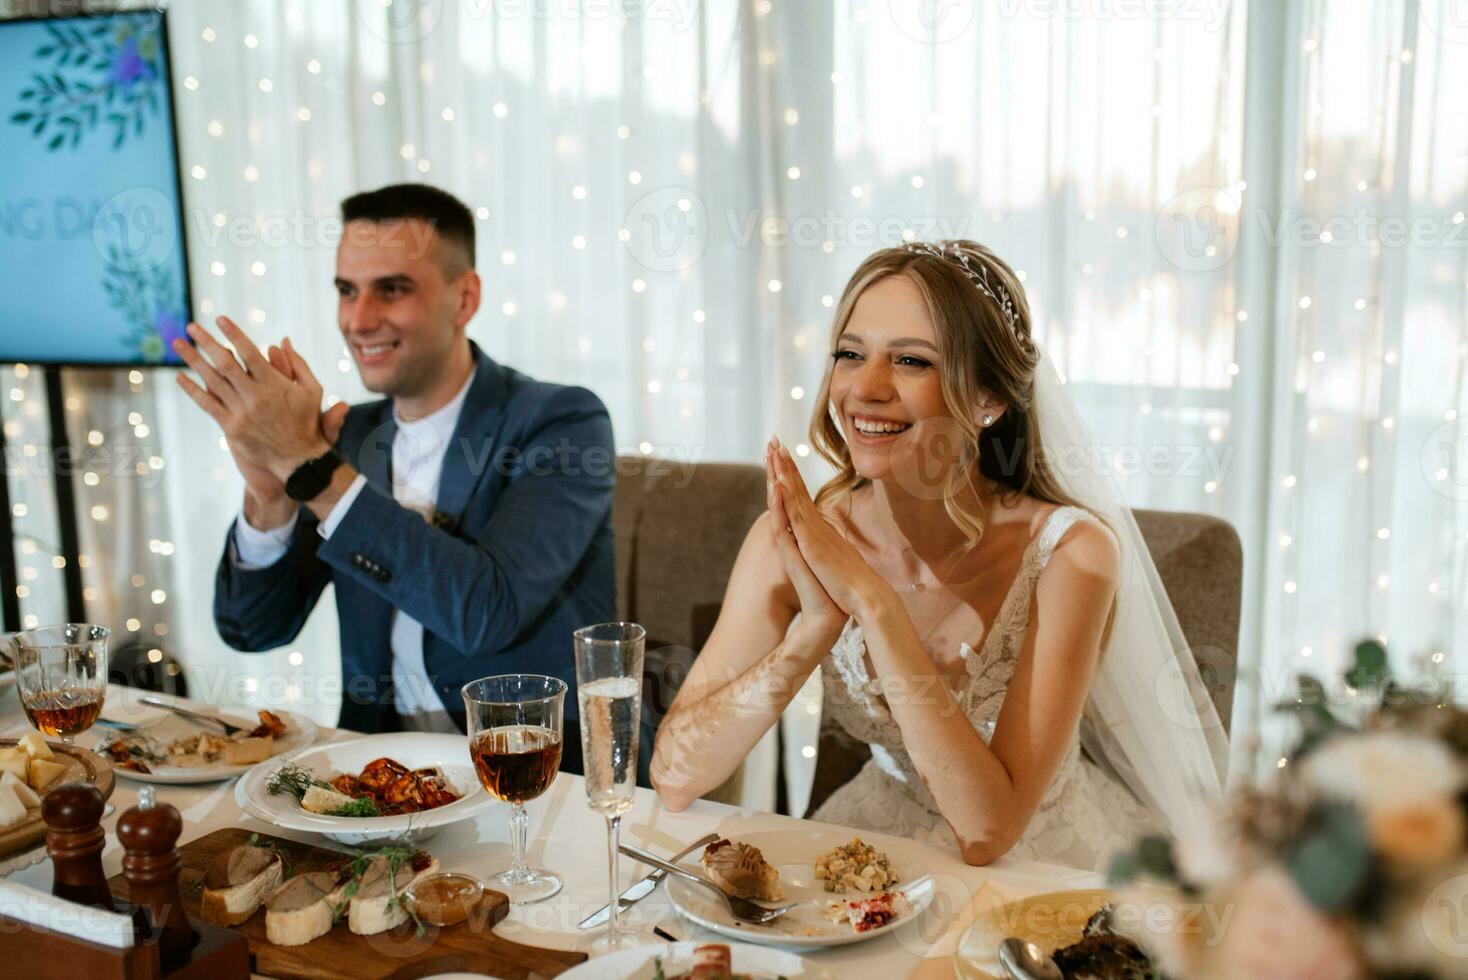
(1086, 815)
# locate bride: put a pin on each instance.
(979, 600)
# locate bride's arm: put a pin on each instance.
(745, 675)
(988, 793)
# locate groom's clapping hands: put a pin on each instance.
(269, 408)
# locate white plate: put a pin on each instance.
(637, 964)
(416, 750)
(122, 705)
(793, 853)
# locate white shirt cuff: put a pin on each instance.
(254, 548)
(334, 517)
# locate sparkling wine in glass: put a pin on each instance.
(61, 672)
(515, 741)
(609, 694)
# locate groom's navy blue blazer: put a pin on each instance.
(518, 558)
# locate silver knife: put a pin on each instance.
(188, 713)
(643, 888)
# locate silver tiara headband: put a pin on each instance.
(978, 276)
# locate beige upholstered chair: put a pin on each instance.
(1201, 563)
(678, 529)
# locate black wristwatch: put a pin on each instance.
(312, 477)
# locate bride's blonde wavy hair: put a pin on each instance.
(980, 352)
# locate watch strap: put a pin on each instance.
(312, 477)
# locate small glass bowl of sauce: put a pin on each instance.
(444, 899)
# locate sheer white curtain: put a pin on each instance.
(671, 194)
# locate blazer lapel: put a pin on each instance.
(374, 452)
(471, 450)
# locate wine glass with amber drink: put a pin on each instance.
(61, 672)
(515, 724)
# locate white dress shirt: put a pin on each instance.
(418, 449)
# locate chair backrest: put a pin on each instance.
(1201, 563)
(678, 528)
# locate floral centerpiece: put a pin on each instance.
(1351, 863)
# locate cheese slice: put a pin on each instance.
(18, 765)
(43, 773)
(35, 746)
(12, 810)
(24, 793)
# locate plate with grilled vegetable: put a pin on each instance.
(155, 746)
(368, 789)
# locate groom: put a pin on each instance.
(464, 519)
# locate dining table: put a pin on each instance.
(571, 839)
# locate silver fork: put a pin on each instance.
(740, 908)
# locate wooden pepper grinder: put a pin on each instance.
(75, 840)
(149, 835)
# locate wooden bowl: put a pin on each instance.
(81, 767)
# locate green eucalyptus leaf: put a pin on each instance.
(1332, 862)
(1370, 669)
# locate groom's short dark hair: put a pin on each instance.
(446, 214)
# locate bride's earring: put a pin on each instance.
(988, 420)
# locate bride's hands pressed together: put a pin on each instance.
(838, 567)
(816, 606)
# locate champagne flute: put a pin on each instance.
(609, 693)
(61, 673)
(515, 741)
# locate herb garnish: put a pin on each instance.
(397, 854)
(270, 845)
(291, 778)
(363, 806)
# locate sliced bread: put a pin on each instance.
(237, 881)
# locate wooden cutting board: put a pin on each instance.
(81, 766)
(341, 954)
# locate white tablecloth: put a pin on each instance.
(569, 838)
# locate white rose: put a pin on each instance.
(1383, 771)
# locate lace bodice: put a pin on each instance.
(1071, 826)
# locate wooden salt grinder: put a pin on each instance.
(149, 835)
(74, 839)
